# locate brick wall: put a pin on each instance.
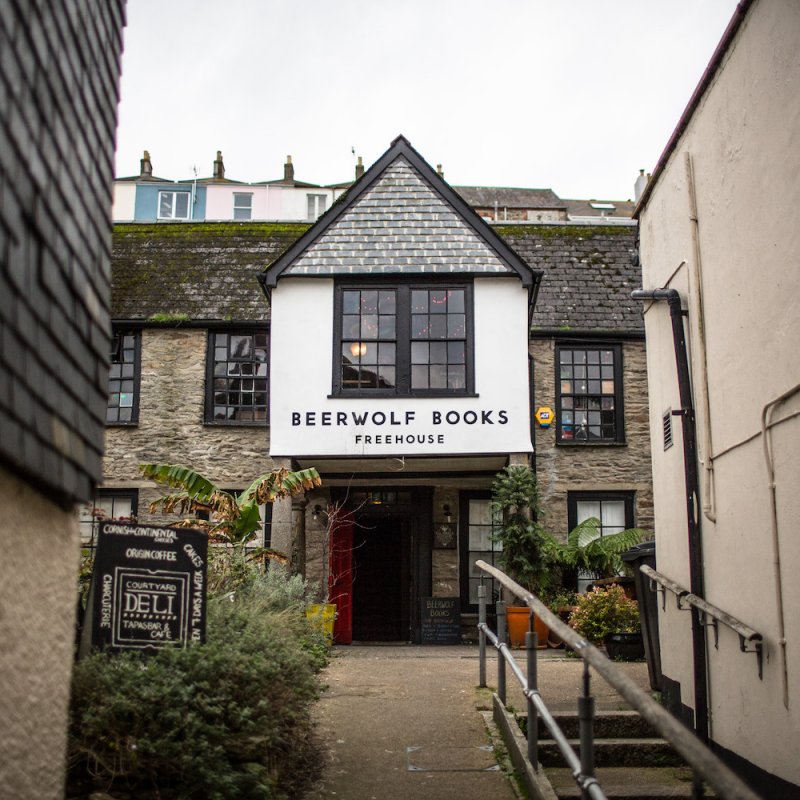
(594, 468)
(59, 70)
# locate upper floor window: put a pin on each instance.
(237, 379)
(400, 340)
(316, 205)
(589, 395)
(173, 205)
(242, 205)
(123, 378)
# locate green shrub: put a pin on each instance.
(227, 719)
(604, 611)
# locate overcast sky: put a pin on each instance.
(573, 95)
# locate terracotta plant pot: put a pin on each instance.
(517, 619)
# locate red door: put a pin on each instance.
(340, 578)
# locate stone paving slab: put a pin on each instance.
(402, 721)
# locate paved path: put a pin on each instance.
(402, 722)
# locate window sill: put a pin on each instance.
(122, 424)
(412, 396)
(591, 444)
(216, 423)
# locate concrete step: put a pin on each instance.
(623, 752)
(644, 783)
(607, 725)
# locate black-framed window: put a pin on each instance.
(237, 384)
(107, 504)
(409, 339)
(589, 398)
(123, 378)
(478, 525)
(613, 509)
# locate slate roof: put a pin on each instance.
(399, 217)
(398, 225)
(207, 271)
(505, 197)
(588, 276)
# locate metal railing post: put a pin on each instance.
(501, 659)
(586, 725)
(482, 635)
(531, 645)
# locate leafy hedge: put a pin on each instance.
(226, 719)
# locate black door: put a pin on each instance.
(381, 588)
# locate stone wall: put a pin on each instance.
(172, 428)
(594, 468)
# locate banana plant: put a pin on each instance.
(588, 551)
(235, 518)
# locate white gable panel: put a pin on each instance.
(306, 421)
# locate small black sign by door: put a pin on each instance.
(441, 620)
(149, 587)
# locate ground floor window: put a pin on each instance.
(478, 526)
(108, 504)
(613, 509)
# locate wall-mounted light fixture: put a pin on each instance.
(448, 515)
(316, 512)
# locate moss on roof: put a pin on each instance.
(202, 271)
(208, 271)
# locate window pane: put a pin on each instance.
(165, 204)
(438, 376)
(182, 205)
(351, 325)
(455, 302)
(350, 302)
(419, 377)
(419, 301)
(387, 303)
(456, 326)
(456, 353)
(438, 302)
(586, 509)
(457, 377)
(419, 352)
(386, 327)
(387, 377)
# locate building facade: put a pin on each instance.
(59, 85)
(397, 352)
(724, 272)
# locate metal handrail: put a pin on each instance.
(746, 634)
(697, 755)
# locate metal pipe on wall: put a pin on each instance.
(692, 486)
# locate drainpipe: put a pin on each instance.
(701, 385)
(691, 478)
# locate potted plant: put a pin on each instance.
(608, 615)
(529, 553)
(587, 552)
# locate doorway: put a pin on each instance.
(380, 564)
(381, 586)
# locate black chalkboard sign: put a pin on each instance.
(148, 587)
(441, 620)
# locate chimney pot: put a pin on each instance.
(439, 171)
(219, 167)
(145, 167)
(640, 185)
(359, 168)
(288, 170)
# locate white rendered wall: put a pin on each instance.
(122, 209)
(744, 142)
(300, 383)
